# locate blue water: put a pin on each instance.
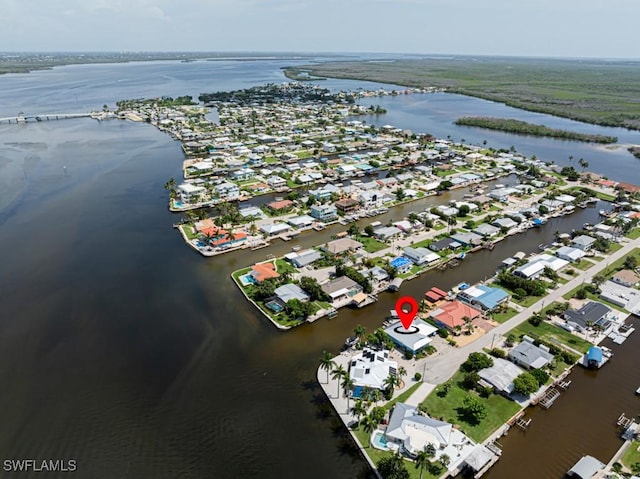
(379, 440)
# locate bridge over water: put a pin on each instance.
(22, 118)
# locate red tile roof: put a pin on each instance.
(262, 271)
(431, 296)
(450, 314)
(439, 291)
(280, 205)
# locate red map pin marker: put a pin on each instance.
(407, 317)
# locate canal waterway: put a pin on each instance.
(125, 350)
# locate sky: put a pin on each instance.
(548, 28)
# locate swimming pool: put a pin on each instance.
(247, 279)
(379, 441)
(274, 306)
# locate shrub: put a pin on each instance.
(408, 354)
(476, 362)
(541, 376)
(470, 380)
(498, 353)
(581, 293)
(417, 377)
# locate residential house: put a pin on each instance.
(276, 182)
(529, 356)
(386, 233)
(341, 289)
(347, 205)
(370, 369)
(583, 242)
(486, 230)
(590, 315)
(227, 191)
(370, 199)
(444, 244)
(536, 266)
(304, 258)
(412, 432)
(242, 174)
(301, 221)
(376, 275)
(325, 213)
(468, 239)
(421, 256)
(507, 223)
(625, 278)
(342, 245)
(451, 314)
(414, 339)
(570, 254)
(401, 264)
(289, 291)
(281, 206)
(500, 376)
(261, 271)
(190, 193)
(273, 229)
(486, 297)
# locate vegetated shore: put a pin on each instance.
(524, 128)
(634, 150)
(592, 91)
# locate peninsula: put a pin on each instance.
(524, 128)
(593, 91)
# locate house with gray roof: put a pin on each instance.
(529, 356)
(505, 223)
(486, 230)
(468, 238)
(290, 291)
(501, 375)
(341, 288)
(590, 315)
(305, 258)
(583, 242)
(444, 244)
(570, 254)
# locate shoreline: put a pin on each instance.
(460, 354)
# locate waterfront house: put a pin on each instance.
(386, 233)
(280, 207)
(376, 275)
(451, 315)
(401, 264)
(536, 265)
(590, 315)
(342, 245)
(486, 297)
(273, 229)
(623, 296)
(370, 369)
(444, 244)
(507, 223)
(583, 242)
(500, 376)
(341, 289)
(529, 356)
(347, 205)
(275, 182)
(414, 339)
(302, 221)
(190, 193)
(242, 175)
(486, 230)
(412, 432)
(420, 256)
(625, 278)
(304, 258)
(261, 271)
(227, 191)
(289, 291)
(370, 199)
(325, 213)
(467, 239)
(570, 254)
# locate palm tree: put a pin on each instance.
(421, 461)
(368, 425)
(445, 460)
(338, 374)
(402, 372)
(348, 385)
(359, 331)
(327, 363)
(359, 409)
(253, 229)
(390, 383)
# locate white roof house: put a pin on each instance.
(501, 375)
(275, 228)
(536, 266)
(420, 255)
(417, 337)
(371, 368)
(583, 242)
(569, 254)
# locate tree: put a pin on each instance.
(445, 460)
(476, 362)
(630, 262)
(378, 413)
(327, 363)
(368, 426)
(463, 211)
(392, 467)
(348, 385)
(470, 380)
(390, 384)
(296, 309)
(541, 376)
(359, 409)
(359, 331)
(422, 460)
(337, 375)
(510, 340)
(369, 231)
(353, 230)
(473, 410)
(525, 384)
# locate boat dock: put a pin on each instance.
(549, 397)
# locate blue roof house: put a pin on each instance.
(401, 264)
(486, 297)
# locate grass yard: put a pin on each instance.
(583, 264)
(422, 244)
(594, 297)
(504, 316)
(552, 334)
(371, 245)
(634, 233)
(499, 409)
(189, 231)
(632, 455)
(527, 300)
(283, 267)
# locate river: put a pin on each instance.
(123, 349)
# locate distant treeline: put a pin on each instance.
(524, 128)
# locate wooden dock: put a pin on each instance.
(549, 397)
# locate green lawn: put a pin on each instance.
(422, 244)
(504, 316)
(439, 226)
(583, 264)
(631, 455)
(189, 231)
(414, 269)
(499, 409)
(552, 334)
(527, 300)
(634, 233)
(371, 245)
(283, 266)
(594, 297)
